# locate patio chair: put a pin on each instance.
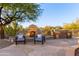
(39, 38)
(20, 38)
(76, 52)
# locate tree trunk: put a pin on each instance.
(1, 32)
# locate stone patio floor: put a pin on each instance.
(52, 47)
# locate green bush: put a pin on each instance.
(12, 29)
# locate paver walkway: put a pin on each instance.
(57, 47)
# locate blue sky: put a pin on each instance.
(56, 14)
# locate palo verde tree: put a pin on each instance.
(18, 12)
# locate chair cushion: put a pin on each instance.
(39, 38)
(20, 37)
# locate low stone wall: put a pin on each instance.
(62, 34)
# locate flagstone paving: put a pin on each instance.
(52, 47)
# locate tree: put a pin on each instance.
(17, 12)
(11, 29)
(58, 28)
(47, 30)
(72, 26)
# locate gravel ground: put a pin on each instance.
(52, 47)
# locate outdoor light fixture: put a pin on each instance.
(2, 20)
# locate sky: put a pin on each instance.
(56, 14)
